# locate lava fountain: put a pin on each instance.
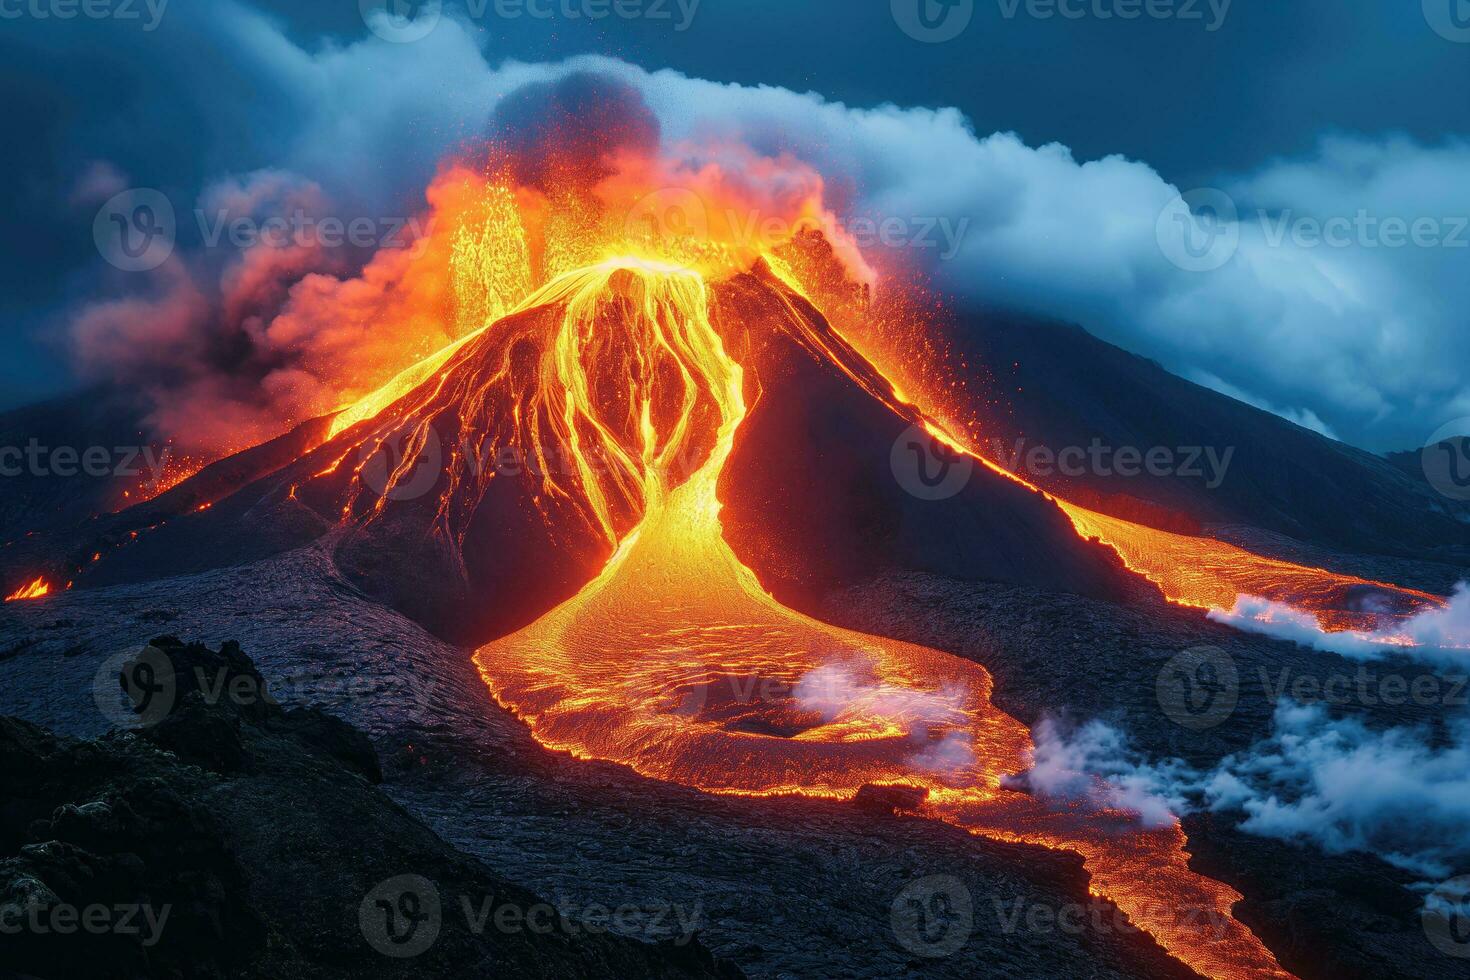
(31, 590)
(654, 662)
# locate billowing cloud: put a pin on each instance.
(1354, 328)
(1358, 336)
(1094, 762)
(850, 691)
(569, 132)
(279, 321)
(1400, 793)
(99, 181)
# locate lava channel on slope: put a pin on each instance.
(651, 663)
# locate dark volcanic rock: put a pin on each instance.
(236, 839)
(1064, 388)
(889, 799)
(222, 688)
(1335, 917)
(785, 888)
(39, 499)
(826, 484)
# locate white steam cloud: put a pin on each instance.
(1400, 794)
(1436, 635)
(1094, 762)
(850, 690)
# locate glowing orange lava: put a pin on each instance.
(675, 662)
(1210, 574)
(1205, 573)
(33, 590)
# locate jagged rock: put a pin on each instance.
(232, 838)
(889, 799)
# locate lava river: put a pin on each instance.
(675, 661)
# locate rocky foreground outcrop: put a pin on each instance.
(229, 837)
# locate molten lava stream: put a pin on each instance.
(1206, 573)
(1209, 574)
(656, 663)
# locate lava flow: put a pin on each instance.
(622, 385)
(31, 590)
(656, 663)
(1208, 574)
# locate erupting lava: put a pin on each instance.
(673, 660)
(654, 663)
(32, 590)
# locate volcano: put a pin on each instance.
(511, 466)
(625, 626)
(629, 492)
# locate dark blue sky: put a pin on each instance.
(170, 108)
(1272, 78)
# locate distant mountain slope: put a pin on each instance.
(44, 483)
(1066, 388)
